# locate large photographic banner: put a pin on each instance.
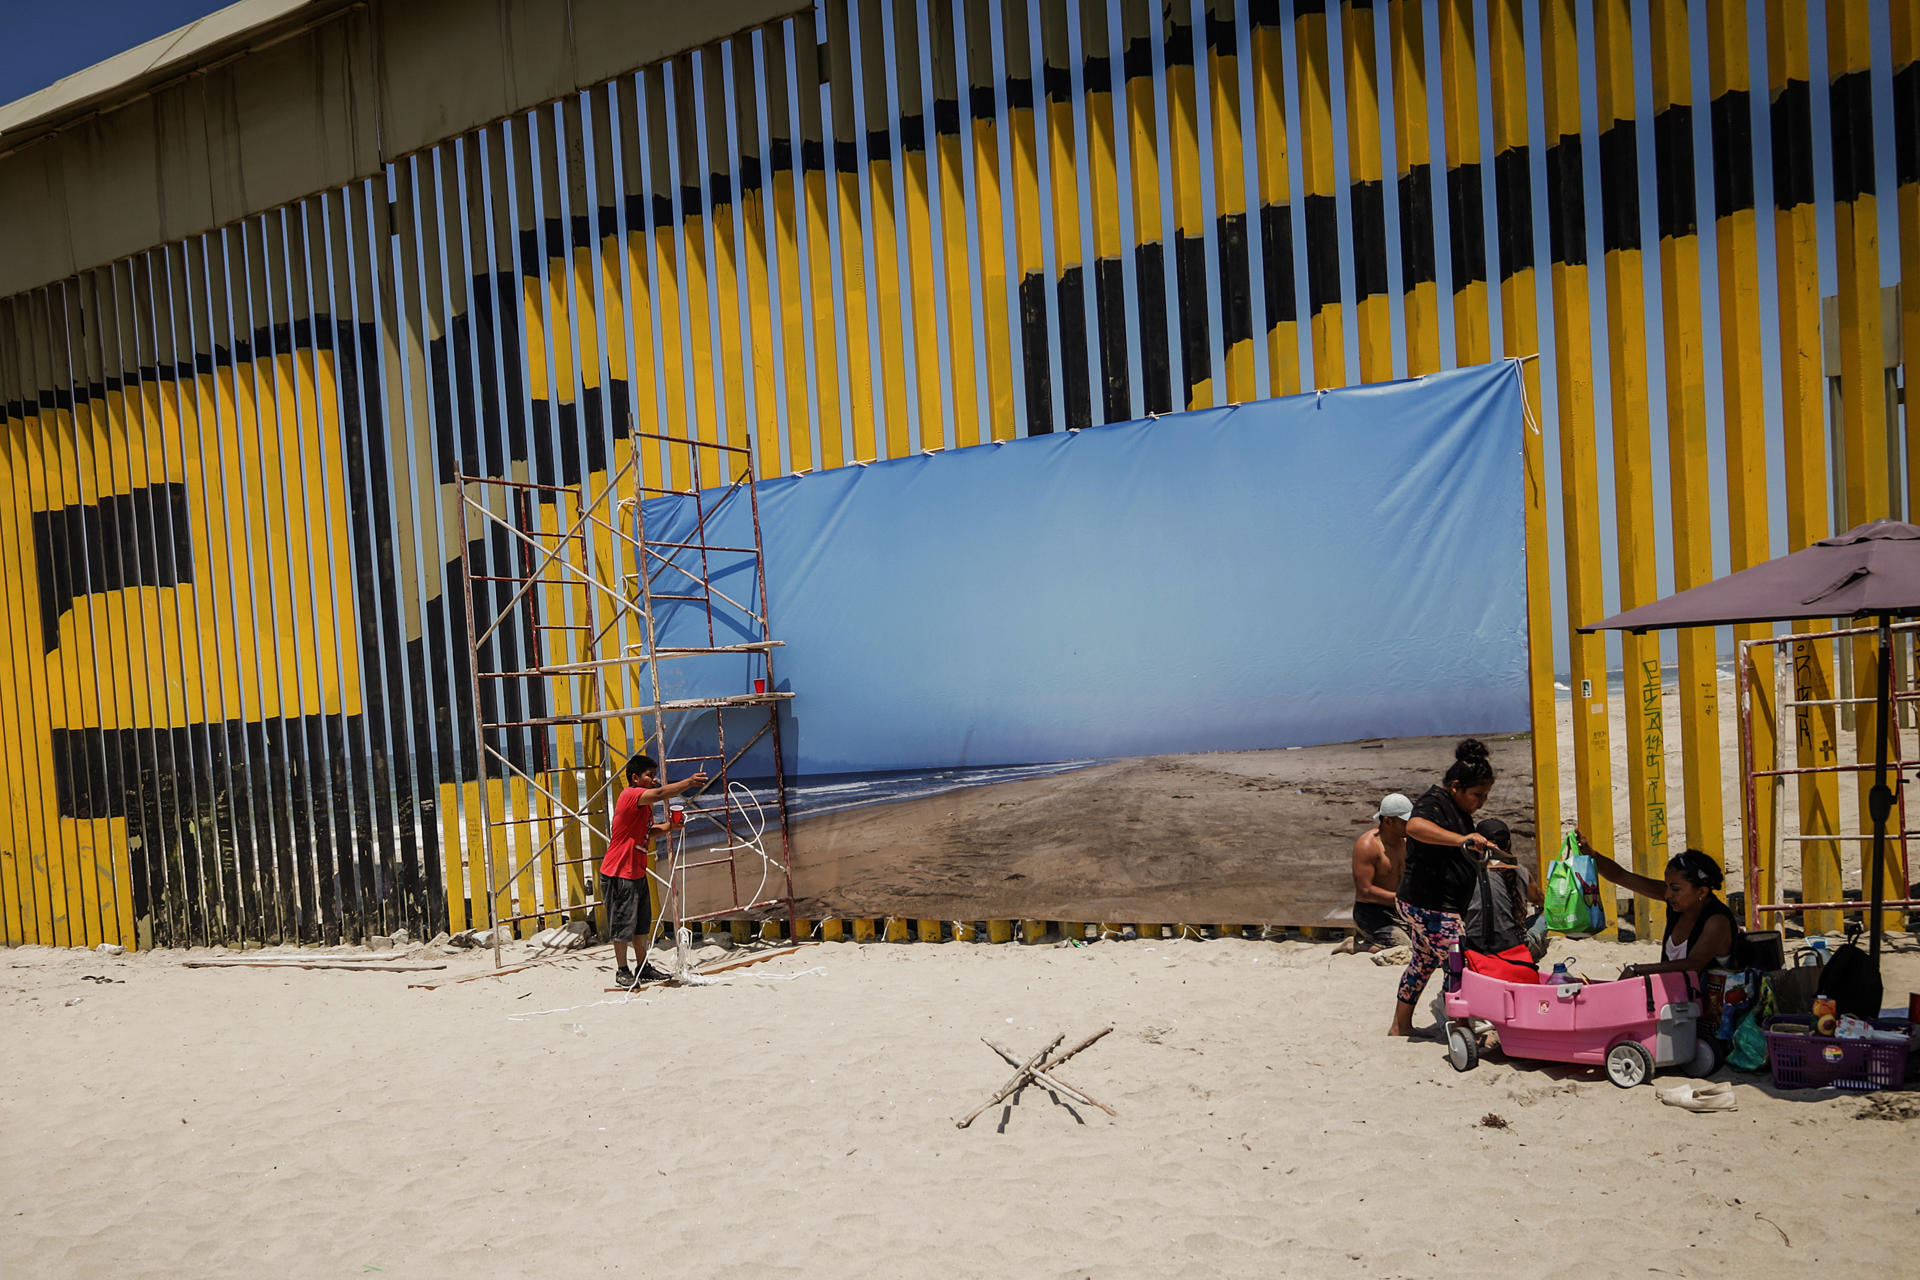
(1017, 669)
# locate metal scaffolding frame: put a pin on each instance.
(570, 656)
(1864, 763)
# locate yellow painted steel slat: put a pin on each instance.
(1743, 381)
(1230, 202)
(889, 292)
(950, 161)
(28, 788)
(1366, 192)
(762, 308)
(820, 196)
(666, 275)
(707, 385)
(717, 177)
(1520, 324)
(1574, 395)
(850, 240)
(1138, 27)
(786, 181)
(1267, 48)
(1105, 122)
(1633, 494)
(1413, 153)
(1036, 359)
(1070, 264)
(1905, 31)
(1326, 319)
(1466, 216)
(1691, 485)
(1856, 240)
(1189, 211)
(912, 131)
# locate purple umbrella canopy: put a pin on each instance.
(1872, 570)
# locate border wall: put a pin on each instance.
(232, 681)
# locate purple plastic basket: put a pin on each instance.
(1828, 1062)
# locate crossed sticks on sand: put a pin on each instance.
(1038, 1070)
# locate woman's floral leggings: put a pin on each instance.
(1433, 933)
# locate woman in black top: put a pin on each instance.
(1444, 857)
(1701, 930)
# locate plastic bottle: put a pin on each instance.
(1456, 963)
(1819, 948)
(1560, 977)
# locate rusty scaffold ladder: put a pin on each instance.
(1790, 706)
(565, 667)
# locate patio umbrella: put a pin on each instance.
(1872, 571)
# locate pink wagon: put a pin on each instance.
(1630, 1026)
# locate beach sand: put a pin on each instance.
(799, 1120)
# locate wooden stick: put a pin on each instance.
(1020, 1078)
(1051, 1063)
(1052, 1082)
(346, 967)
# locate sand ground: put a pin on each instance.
(799, 1120)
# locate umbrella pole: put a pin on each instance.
(1880, 799)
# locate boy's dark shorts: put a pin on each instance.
(1377, 924)
(629, 912)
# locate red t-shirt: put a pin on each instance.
(632, 833)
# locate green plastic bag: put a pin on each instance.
(1572, 894)
(1749, 1046)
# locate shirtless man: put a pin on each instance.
(1379, 856)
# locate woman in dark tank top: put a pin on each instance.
(1701, 931)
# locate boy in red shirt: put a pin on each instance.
(623, 872)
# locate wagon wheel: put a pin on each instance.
(1629, 1064)
(1706, 1057)
(1463, 1051)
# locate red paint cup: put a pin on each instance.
(759, 686)
(676, 815)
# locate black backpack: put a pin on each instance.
(1852, 979)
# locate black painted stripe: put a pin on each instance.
(913, 134)
(1850, 100)
(813, 155)
(1513, 201)
(1019, 94)
(1566, 202)
(1096, 75)
(1036, 362)
(1150, 282)
(1058, 84)
(691, 198)
(1236, 278)
(1417, 264)
(1790, 117)
(879, 147)
(1263, 13)
(846, 156)
(1190, 268)
(1368, 203)
(1110, 304)
(982, 102)
(1466, 211)
(946, 117)
(1620, 188)
(138, 539)
(1178, 45)
(1732, 114)
(1673, 172)
(1302, 8)
(1223, 37)
(1323, 252)
(1137, 59)
(1075, 380)
(1906, 125)
(662, 207)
